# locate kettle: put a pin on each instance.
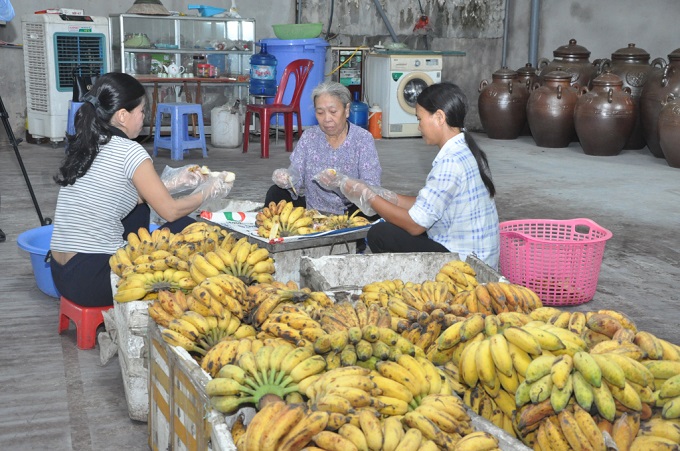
(174, 70)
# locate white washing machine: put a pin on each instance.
(393, 81)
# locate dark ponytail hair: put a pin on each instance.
(111, 92)
(449, 98)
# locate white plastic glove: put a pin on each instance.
(181, 179)
(356, 191)
(287, 178)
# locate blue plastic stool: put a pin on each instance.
(72, 110)
(179, 140)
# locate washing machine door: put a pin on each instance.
(410, 86)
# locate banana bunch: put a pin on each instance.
(388, 287)
(282, 427)
(605, 325)
(338, 222)
(145, 286)
(657, 433)
(498, 297)
(248, 262)
(283, 219)
(666, 375)
(292, 324)
(362, 346)
(199, 237)
(205, 336)
(222, 292)
(499, 410)
(345, 315)
(267, 299)
(417, 374)
(458, 276)
(139, 244)
(168, 306)
(569, 431)
(271, 370)
(440, 418)
(347, 390)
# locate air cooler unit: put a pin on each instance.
(55, 47)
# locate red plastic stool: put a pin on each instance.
(86, 319)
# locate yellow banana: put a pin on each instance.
(539, 367)
(588, 368)
(560, 397)
(303, 431)
(589, 428)
(560, 370)
(583, 391)
(370, 425)
(418, 374)
(548, 340)
(477, 441)
(289, 416)
(523, 340)
(501, 354)
(604, 401)
(541, 389)
(393, 432)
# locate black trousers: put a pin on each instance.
(86, 278)
(385, 237)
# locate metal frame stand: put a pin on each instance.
(15, 143)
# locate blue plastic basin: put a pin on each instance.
(37, 242)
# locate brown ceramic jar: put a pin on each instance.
(527, 76)
(502, 105)
(669, 130)
(604, 116)
(572, 58)
(550, 110)
(659, 85)
(632, 65)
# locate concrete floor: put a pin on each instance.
(53, 396)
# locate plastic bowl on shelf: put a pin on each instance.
(297, 30)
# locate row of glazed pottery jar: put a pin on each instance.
(624, 102)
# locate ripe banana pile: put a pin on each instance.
(139, 244)
(270, 370)
(284, 219)
(248, 262)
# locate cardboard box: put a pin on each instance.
(351, 272)
(180, 416)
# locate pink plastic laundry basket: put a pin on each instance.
(558, 259)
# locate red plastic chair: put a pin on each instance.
(86, 320)
(301, 69)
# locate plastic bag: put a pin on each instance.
(6, 10)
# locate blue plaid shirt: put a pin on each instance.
(455, 206)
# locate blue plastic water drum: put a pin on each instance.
(37, 242)
(287, 51)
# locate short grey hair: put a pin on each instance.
(333, 88)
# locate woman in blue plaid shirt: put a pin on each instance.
(455, 210)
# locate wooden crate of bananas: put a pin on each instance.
(402, 365)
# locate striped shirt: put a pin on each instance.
(455, 206)
(89, 212)
(356, 157)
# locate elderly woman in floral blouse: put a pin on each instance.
(334, 144)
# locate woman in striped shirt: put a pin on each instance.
(108, 182)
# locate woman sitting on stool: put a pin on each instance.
(106, 181)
